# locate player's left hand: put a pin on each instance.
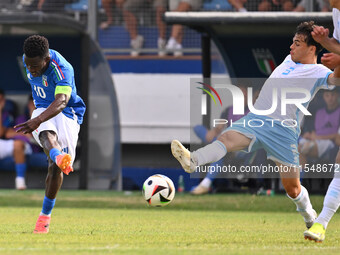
(331, 60)
(28, 126)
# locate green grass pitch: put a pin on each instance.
(96, 222)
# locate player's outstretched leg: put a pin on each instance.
(207, 154)
(213, 152)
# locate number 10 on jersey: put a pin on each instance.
(40, 91)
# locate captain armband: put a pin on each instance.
(63, 90)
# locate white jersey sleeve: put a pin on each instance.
(336, 23)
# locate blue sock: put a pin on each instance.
(48, 205)
(54, 153)
(20, 169)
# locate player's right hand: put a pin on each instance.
(28, 126)
(320, 33)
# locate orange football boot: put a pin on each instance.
(42, 225)
(63, 161)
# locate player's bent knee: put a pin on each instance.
(47, 134)
(292, 186)
(48, 139)
(226, 139)
(234, 141)
(293, 191)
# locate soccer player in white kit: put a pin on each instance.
(298, 71)
(332, 199)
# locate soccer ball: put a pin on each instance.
(158, 190)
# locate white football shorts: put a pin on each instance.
(324, 145)
(7, 147)
(66, 129)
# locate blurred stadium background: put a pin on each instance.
(139, 102)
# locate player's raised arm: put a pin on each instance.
(321, 35)
(56, 107)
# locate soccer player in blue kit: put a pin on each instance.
(56, 122)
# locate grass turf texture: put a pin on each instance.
(87, 222)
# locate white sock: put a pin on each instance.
(210, 153)
(206, 182)
(303, 205)
(331, 202)
(43, 214)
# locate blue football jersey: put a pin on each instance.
(59, 73)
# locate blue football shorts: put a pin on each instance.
(280, 142)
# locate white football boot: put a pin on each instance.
(183, 155)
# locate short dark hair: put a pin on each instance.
(2, 92)
(306, 28)
(36, 46)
